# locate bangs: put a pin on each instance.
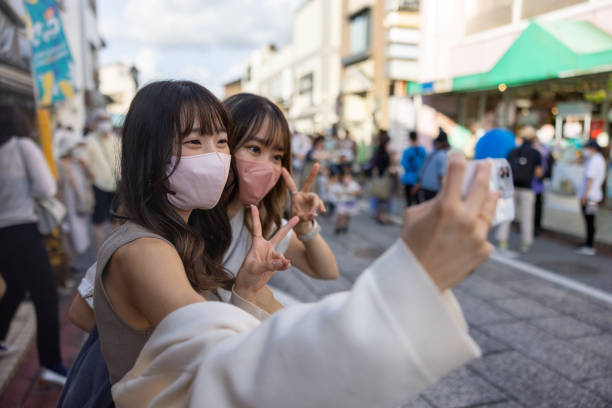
(273, 129)
(204, 111)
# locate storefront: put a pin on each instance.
(557, 73)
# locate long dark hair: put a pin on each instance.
(160, 116)
(250, 113)
(13, 122)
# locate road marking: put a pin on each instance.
(553, 277)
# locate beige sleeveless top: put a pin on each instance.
(120, 342)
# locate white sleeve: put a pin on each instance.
(378, 345)
(42, 181)
(86, 287)
(283, 245)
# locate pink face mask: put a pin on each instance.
(198, 181)
(255, 180)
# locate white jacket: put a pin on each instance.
(378, 345)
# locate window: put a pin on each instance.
(306, 84)
(486, 14)
(359, 32)
(533, 8)
(407, 5)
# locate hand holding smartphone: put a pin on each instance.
(499, 180)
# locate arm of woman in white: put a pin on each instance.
(42, 181)
(379, 345)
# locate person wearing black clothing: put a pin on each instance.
(526, 163)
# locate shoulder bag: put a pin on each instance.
(50, 211)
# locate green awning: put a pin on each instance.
(546, 50)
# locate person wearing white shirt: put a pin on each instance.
(101, 162)
(590, 193)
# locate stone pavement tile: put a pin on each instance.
(524, 308)
(563, 356)
(480, 313)
(556, 297)
(601, 386)
(417, 403)
(462, 388)
(532, 384)
(487, 343)
(505, 404)
(565, 327)
(601, 344)
(602, 320)
(499, 273)
(486, 289)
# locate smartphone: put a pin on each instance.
(500, 180)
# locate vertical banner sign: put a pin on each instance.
(51, 57)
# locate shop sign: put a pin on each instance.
(51, 57)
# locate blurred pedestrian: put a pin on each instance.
(76, 193)
(380, 186)
(434, 168)
(590, 192)
(345, 192)
(317, 154)
(526, 164)
(539, 187)
(101, 161)
(25, 178)
(300, 146)
(412, 160)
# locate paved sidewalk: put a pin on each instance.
(543, 345)
(19, 386)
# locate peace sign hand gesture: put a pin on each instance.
(304, 204)
(262, 260)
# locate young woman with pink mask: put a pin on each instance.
(261, 149)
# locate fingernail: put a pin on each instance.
(277, 263)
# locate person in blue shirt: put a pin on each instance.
(434, 168)
(412, 160)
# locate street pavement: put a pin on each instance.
(544, 345)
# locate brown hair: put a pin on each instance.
(160, 116)
(250, 113)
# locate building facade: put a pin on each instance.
(303, 77)
(119, 83)
(16, 86)
(380, 49)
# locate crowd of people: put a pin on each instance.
(420, 174)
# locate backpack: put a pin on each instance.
(522, 165)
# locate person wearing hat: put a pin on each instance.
(590, 192)
(434, 168)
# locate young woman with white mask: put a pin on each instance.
(261, 148)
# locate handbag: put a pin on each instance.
(381, 187)
(50, 211)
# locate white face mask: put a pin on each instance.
(198, 181)
(588, 153)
